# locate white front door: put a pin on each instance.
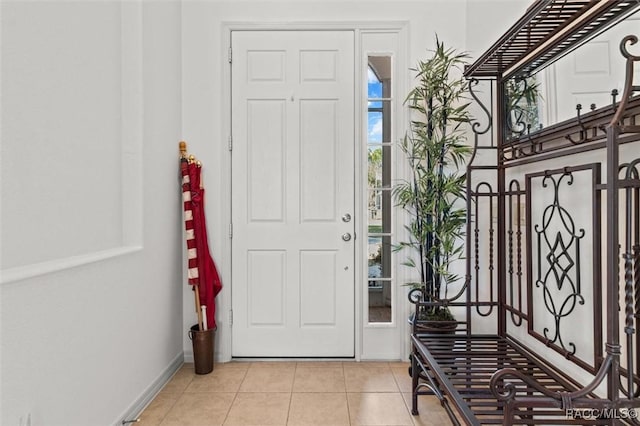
(293, 193)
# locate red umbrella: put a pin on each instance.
(202, 272)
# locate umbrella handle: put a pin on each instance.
(198, 310)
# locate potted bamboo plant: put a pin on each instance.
(436, 151)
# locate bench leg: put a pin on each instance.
(415, 376)
(416, 370)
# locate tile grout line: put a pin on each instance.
(180, 394)
(235, 396)
(404, 402)
(346, 395)
(293, 382)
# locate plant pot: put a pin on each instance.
(436, 327)
(433, 326)
(202, 342)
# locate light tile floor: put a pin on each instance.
(292, 393)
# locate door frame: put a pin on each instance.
(225, 334)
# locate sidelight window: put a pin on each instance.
(379, 185)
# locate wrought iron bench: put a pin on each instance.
(551, 298)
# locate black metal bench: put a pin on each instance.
(462, 369)
(533, 276)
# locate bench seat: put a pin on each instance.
(458, 370)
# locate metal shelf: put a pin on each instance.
(548, 30)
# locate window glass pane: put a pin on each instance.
(375, 212)
(375, 257)
(379, 76)
(379, 301)
(379, 166)
(374, 172)
(374, 86)
(379, 249)
(385, 201)
(379, 211)
(379, 122)
(379, 181)
(374, 127)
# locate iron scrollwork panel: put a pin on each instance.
(563, 289)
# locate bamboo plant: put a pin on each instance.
(435, 148)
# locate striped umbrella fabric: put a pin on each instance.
(192, 251)
(208, 277)
(201, 272)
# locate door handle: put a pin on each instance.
(346, 236)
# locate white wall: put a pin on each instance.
(205, 107)
(91, 233)
(488, 20)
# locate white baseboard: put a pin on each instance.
(134, 411)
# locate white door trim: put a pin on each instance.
(224, 339)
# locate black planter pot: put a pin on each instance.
(432, 326)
